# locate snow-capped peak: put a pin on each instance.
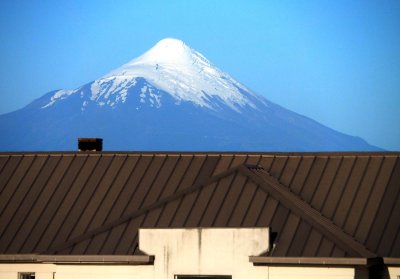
(174, 67)
(184, 73)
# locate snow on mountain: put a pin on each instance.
(170, 98)
(175, 68)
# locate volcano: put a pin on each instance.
(171, 98)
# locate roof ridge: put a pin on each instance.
(141, 211)
(304, 210)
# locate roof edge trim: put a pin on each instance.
(77, 259)
(391, 261)
(262, 260)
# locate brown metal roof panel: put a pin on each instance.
(386, 209)
(11, 164)
(81, 247)
(395, 250)
(207, 169)
(364, 190)
(338, 253)
(277, 166)
(111, 241)
(278, 221)
(192, 172)
(104, 197)
(216, 201)
(268, 213)
(299, 240)
(253, 159)
(45, 207)
(28, 215)
(13, 185)
(45, 228)
(241, 210)
(201, 204)
(338, 185)
(128, 239)
(152, 217)
(266, 161)
(312, 245)
(129, 186)
(375, 198)
(390, 232)
(145, 185)
(313, 179)
(184, 210)
(162, 178)
(168, 213)
(95, 244)
(94, 192)
(115, 190)
(286, 235)
(326, 182)
(325, 248)
(290, 170)
(3, 162)
(67, 214)
(238, 159)
(255, 208)
(12, 220)
(351, 188)
(302, 174)
(88, 186)
(224, 163)
(20, 203)
(177, 175)
(225, 214)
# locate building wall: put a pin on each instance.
(394, 272)
(77, 271)
(202, 251)
(198, 251)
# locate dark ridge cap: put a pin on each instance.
(309, 214)
(254, 167)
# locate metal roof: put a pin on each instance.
(317, 204)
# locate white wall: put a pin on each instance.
(201, 251)
(394, 272)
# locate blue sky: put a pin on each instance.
(337, 62)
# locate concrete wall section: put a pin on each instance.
(202, 251)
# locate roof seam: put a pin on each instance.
(9, 200)
(109, 188)
(90, 195)
(136, 213)
(49, 201)
(37, 198)
(25, 197)
(86, 158)
(369, 195)
(347, 215)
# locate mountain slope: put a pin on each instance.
(170, 98)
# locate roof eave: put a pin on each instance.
(78, 259)
(326, 261)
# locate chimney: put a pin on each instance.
(90, 144)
